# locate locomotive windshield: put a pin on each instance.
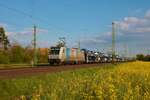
(54, 50)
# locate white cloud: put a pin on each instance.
(147, 15)
(135, 25)
(130, 30)
(42, 43)
(130, 23)
(92, 41)
(24, 36)
(108, 33)
(11, 33)
(138, 11)
(27, 32)
(123, 25)
(134, 20)
(143, 30)
(41, 30)
(3, 25)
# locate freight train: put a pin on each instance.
(64, 55)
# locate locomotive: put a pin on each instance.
(64, 55)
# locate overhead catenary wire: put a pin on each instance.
(15, 10)
(34, 19)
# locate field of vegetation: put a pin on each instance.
(127, 81)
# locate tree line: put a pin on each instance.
(18, 54)
(142, 57)
(15, 53)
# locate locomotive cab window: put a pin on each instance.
(54, 50)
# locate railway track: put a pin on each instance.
(29, 71)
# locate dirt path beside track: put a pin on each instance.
(21, 72)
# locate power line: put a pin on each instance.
(30, 16)
(34, 19)
(15, 10)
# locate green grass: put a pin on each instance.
(5, 66)
(110, 82)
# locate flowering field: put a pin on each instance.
(127, 81)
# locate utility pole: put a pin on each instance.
(125, 51)
(79, 44)
(34, 44)
(148, 51)
(113, 42)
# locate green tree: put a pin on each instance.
(3, 38)
(17, 54)
(28, 55)
(140, 57)
(4, 57)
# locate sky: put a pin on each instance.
(87, 21)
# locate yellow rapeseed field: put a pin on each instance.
(126, 81)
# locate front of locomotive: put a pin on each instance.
(54, 55)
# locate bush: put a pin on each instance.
(42, 55)
(28, 55)
(18, 54)
(4, 58)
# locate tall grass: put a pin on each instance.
(110, 82)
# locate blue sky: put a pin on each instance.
(87, 21)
